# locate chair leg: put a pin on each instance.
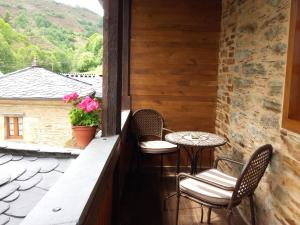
(252, 210)
(208, 215)
(161, 164)
(201, 221)
(177, 209)
(229, 217)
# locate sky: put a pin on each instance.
(92, 5)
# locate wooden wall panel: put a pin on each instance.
(174, 60)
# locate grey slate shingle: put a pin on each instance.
(39, 83)
(25, 181)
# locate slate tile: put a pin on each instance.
(47, 164)
(49, 179)
(26, 201)
(30, 158)
(3, 207)
(31, 170)
(4, 177)
(7, 190)
(6, 158)
(64, 164)
(12, 197)
(4, 219)
(24, 180)
(14, 221)
(30, 183)
(17, 157)
(15, 169)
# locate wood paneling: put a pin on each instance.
(291, 109)
(174, 60)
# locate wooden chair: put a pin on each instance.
(215, 189)
(149, 128)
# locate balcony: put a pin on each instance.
(215, 66)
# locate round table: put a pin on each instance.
(194, 142)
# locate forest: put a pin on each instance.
(47, 36)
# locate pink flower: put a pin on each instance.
(88, 104)
(93, 105)
(70, 97)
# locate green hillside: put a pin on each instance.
(62, 38)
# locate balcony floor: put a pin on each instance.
(142, 204)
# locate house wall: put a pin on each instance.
(252, 70)
(44, 122)
(174, 60)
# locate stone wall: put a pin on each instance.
(252, 69)
(44, 122)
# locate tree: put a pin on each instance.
(7, 58)
(7, 17)
(41, 21)
(95, 43)
(22, 20)
(85, 62)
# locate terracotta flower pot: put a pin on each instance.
(84, 135)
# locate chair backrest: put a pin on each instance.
(148, 122)
(252, 172)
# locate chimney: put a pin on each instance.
(34, 62)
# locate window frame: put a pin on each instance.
(16, 127)
(289, 122)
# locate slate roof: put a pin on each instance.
(27, 172)
(94, 79)
(39, 83)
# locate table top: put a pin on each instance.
(195, 139)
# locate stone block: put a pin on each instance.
(239, 139)
(249, 28)
(275, 88)
(272, 105)
(279, 48)
(270, 121)
(238, 102)
(273, 33)
(252, 69)
(242, 83)
(274, 3)
(243, 54)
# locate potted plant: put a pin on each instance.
(84, 117)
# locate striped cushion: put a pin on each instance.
(205, 192)
(217, 177)
(157, 147)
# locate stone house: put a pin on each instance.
(31, 106)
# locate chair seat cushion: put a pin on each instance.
(157, 147)
(205, 192)
(219, 178)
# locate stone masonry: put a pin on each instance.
(252, 69)
(44, 122)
